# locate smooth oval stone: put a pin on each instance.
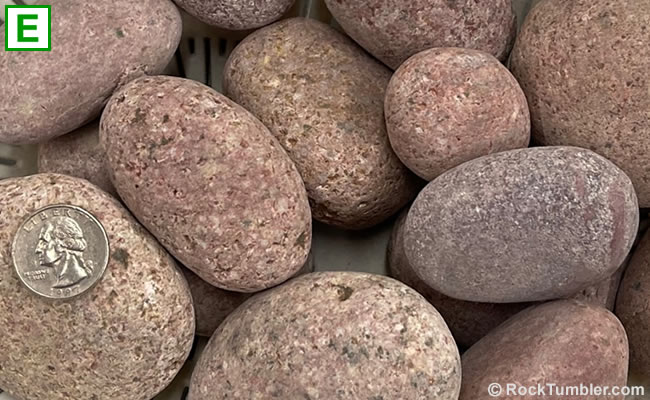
(331, 335)
(323, 99)
(470, 321)
(522, 225)
(589, 92)
(564, 343)
(126, 337)
(209, 181)
(394, 30)
(96, 47)
(77, 154)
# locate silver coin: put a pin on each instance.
(60, 251)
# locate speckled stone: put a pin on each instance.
(96, 46)
(522, 225)
(446, 106)
(322, 97)
(394, 30)
(470, 321)
(566, 343)
(327, 336)
(209, 181)
(633, 307)
(213, 305)
(585, 68)
(77, 154)
(236, 14)
(126, 338)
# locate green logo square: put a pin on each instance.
(28, 28)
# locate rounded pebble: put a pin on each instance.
(323, 99)
(633, 307)
(522, 225)
(468, 321)
(585, 68)
(331, 335)
(96, 47)
(564, 343)
(209, 181)
(446, 106)
(394, 30)
(125, 338)
(213, 305)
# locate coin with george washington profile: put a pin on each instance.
(60, 251)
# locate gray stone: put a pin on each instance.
(522, 225)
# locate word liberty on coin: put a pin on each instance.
(60, 251)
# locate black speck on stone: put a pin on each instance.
(121, 256)
(345, 292)
(139, 116)
(119, 33)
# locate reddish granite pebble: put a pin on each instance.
(236, 14)
(77, 154)
(470, 321)
(446, 106)
(327, 336)
(585, 68)
(96, 47)
(522, 225)
(323, 98)
(633, 308)
(566, 343)
(209, 181)
(213, 305)
(126, 338)
(394, 30)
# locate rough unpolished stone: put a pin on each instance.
(96, 47)
(633, 307)
(323, 98)
(332, 335)
(394, 30)
(564, 343)
(585, 68)
(126, 338)
(209, 180)
(446, 106)
(213, 305)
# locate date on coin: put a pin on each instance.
(60, 251)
